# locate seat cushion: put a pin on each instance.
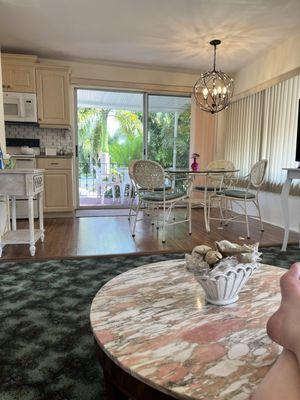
(155, 196)
(202, 188)
(240, 194)
(167, 187)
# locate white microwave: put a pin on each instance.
(19, 107)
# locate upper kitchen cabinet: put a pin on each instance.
(18, 73)
(53, 96)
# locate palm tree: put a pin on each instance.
(93, 134)
(127, 143)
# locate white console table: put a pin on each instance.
(292, 173)
(23, 183)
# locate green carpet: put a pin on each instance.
(46, 345)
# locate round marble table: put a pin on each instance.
(157, 339)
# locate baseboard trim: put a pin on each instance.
(70, 214)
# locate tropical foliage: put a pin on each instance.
(161, 140)
(126, 142)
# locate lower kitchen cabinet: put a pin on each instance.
(58, 188)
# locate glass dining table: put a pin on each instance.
(206, 173)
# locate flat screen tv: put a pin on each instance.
(298, 136)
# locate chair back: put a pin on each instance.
(219, 181)
(98, 172)
(124, 174)
(147, 174)
(220, 164)
(257, 173)
(130, 168)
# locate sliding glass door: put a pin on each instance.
(169, 120)
(110, 136)
(114, 128)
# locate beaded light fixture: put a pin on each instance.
(214, 89)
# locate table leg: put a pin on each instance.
(41, 215)
(207, 227)
(13, 213)
(285, 210)
(31, 226)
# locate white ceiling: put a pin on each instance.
(162, 33)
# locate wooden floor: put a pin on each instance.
(94, 236)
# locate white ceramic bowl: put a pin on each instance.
(222, 287)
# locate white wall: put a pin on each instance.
(271, 211)
(3, 207)
(279, 60)
(262, 72)
(127, 74)
(2, 129)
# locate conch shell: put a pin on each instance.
(230, 249)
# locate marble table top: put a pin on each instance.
(153, 322)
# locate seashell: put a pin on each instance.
(200, 251)
(213, 256)
(227, 248)
(249, 258)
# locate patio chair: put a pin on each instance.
(150, 175)
(125, 182)
(105, 181)
(242, 198)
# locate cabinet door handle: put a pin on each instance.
(8, 86)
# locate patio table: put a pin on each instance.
(206, 173)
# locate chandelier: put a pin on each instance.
(214, 89)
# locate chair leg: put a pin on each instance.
(156, 214)
(164, 223)
(226, 212)
(259, 215)
(113, 193)
(247, 220)
(131, 200)
(221, 211)
(122, 192)
(190, 216)
(135, 219)
(209, 208)
(103, 188)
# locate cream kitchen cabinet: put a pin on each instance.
(18, 78)
(58, 187)
(53, 96)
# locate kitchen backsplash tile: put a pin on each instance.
(60, 138)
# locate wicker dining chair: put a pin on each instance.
(150, 182)
(242, 197)
(217, 182)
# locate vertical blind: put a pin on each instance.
(264, 125)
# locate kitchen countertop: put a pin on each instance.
(57, 156)
(21, 171)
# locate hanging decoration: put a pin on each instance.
(214, 89)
